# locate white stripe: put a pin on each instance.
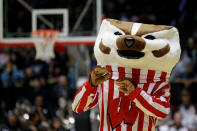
(128, 72)
(105, 99)
(90, 100)
(78, 98)
(150, 88)
(116, 91)
(100, 102)
(157, 76)
(135, 126)
(167, 92)
(146, 122)
(87, 103)
(123, 127)
(135, 28)
(160, 86)
(154, 104)
(140, 85)
(116, 87)
(144, 109)
(162, 99)
(115, 73)
(143, 76)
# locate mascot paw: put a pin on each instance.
(98, 75)
(127, 85)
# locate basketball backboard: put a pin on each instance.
(77, 21)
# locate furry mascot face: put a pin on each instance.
(137, 45)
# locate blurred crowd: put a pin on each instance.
(37, 95)
(33, 92)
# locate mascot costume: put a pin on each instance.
(130, 84)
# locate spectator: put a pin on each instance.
(37, 90)
(194, 123)
(34, 121)
(4, 57)
(29, 76)
(63, 109)
(3, 112)
(56, 124)
(12, 123)
(11, 76)
(187, 77)
(187, 110)
(42, 112)
(5, 76)
(175, 124)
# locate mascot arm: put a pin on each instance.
(157, 104)
(85, 98)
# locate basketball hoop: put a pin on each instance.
(44, 41)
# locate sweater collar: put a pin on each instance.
(138, 75)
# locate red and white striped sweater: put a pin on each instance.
(138, 111)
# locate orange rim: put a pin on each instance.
(45, 33)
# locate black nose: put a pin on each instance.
(129, 41)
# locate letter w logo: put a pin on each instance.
(121, 109)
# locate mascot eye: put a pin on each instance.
(117, 33)
(150, 37)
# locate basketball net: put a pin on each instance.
(44, 41)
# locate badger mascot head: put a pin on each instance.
(137, 45)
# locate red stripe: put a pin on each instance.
(163, 76)
(146, 85)
(121, 71)
(102, 111)
(168, 98)
(161, 90)
(110, 97)
(155, 87)
(136, 75)
(83, 102)
(75, 110)
(157, 100)
(150, 108)
(93, 103)
(164, 104)
(155, 121)
(118, 128)
(121, 74)
(109, 67)
(140, 121)
(150, 76)
(129, 128)
(150, 124)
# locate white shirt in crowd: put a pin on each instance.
(187, 115)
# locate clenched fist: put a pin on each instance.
(98, 75)
(127, 85)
